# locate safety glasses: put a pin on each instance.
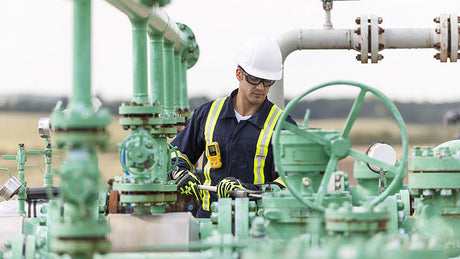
(253, 80)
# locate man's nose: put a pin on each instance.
(260, 86)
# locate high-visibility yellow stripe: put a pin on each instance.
(211, 121)
(280, 181)
(263, 143)
(185, 157)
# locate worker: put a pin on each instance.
(234, 131)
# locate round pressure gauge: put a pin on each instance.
(383, 152)
(44, 127)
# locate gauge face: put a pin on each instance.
(383, 152)
(45, 128)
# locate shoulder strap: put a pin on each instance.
(263, 143)
(211, 121)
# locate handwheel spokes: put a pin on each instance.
(331, 167)
(354, 113)
(339, 148)
(372, 161)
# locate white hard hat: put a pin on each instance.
(261, 57)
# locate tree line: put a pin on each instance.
(412, 112)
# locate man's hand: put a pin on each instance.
(187, 183)
(228, 184)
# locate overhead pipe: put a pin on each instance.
(139, 15)
(368, 39)
(161, 28)
(159, 21)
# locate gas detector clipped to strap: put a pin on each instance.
(213, 155)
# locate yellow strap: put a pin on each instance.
(263, 143)
(185, 157)
(211, 121)
(280, 181)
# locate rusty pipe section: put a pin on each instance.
(159, 21)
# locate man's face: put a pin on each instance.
(254, 94)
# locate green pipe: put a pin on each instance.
(159, 20)
(140, 76)
(81, 96)
(169, 79)
(21, 159)
(184, 104)
(157, 70)
(79, 233)
(48, 177)
(22, 195)
(177, 82)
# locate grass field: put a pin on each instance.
(23, 128)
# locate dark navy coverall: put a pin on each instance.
(237, 142)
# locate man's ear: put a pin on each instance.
(239, 75)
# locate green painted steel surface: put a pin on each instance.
(157, 69)
(140, 75)
(21, 159)
(339, 147)
(81, 130)
(151, 187)
(348, 219)
(242, 218)
(309, 219)
(169, 79)
(300, 154)
(368, 183)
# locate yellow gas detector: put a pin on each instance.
(213, 155)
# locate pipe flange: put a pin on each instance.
(444, 37)
(191, 51)
(454, 33)
(374, 33)
(364, 24)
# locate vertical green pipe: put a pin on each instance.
(140, 77)
(177, 80)
(184, 104)
(22, 195)
(169, 79)
(48, 176)
(81, 96)
(157, 69)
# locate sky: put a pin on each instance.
(36, 47)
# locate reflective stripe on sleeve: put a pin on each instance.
(211, 121)
(185, 157)
(262, 144)
(280, 181)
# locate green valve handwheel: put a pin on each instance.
(340, 147)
